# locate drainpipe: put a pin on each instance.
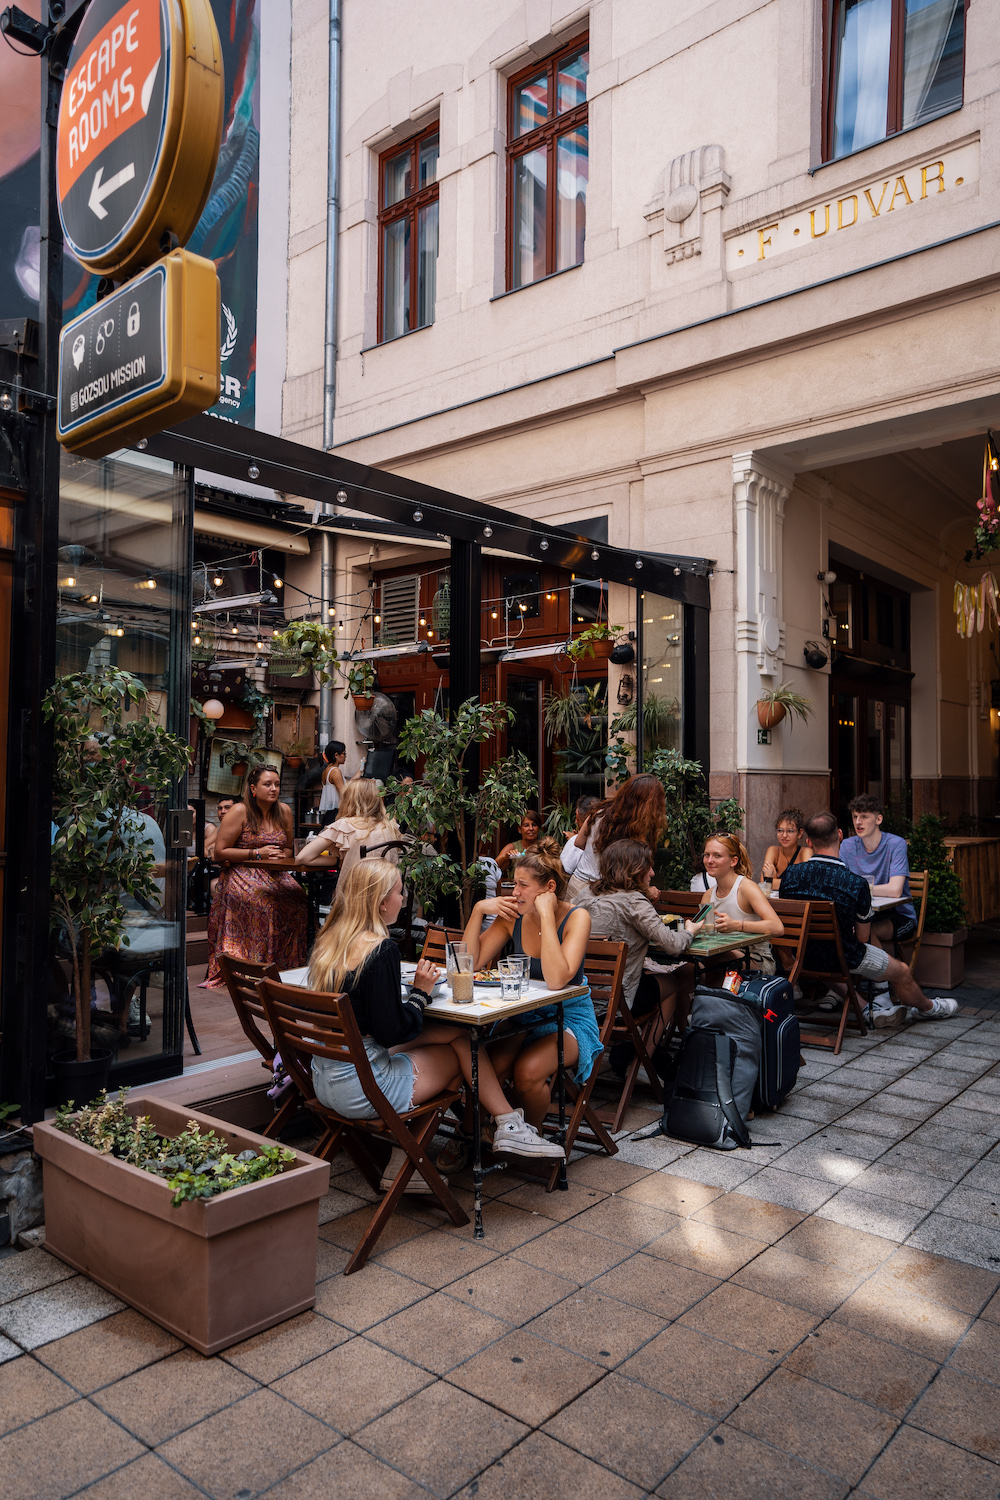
(330, 335)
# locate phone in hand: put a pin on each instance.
(702, 912)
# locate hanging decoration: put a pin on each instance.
(974, 602)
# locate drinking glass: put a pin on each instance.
(510, 979)
(452, 952)
(462, 979)
(709, 926)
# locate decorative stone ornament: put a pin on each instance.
(687, 206)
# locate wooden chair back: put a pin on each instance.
(435, 941)
(307, 1024)
(684, 903)
(242, 979)
(619, 1025)
(919, 885)
(604, 967)
(790, 948)
(823, 927)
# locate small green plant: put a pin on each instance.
(659, 715)
(7, 1112)
(563, 715)
(299, 750)
(312, 644)
(691, 818)
(583, 644)
(558, 820)
(945, 898)
(235, 753)
(194, 1164)
(785, 698)
(360, 680)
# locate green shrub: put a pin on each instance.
(945, 899)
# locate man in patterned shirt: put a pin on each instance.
(825, 877)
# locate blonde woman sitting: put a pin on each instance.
(362, 821)
(411, 1061)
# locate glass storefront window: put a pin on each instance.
(124, 588)
(662, 669)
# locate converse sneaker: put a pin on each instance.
(940, 1008)
(394, 1166)
(516, 1137)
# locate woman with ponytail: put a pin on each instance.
(740, 904)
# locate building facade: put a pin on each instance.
(723, 278)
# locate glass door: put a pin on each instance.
(124, 600)
(869, 746)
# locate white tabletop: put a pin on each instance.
(486, 1005)
(879, 903)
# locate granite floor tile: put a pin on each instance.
(706, 1248)
(597, 1327)
(939, 1279)
(359, 1301)
(962, 1410)
(631, 1429)
(733, 1465)
(875, 1214)
(917, 1466)
(984, 1176)
(8, 1350)
(336, 1204)
(973, 1205)
(533, 1199)
(654, 1152)
(568, 1251)
(753, 1217)
(56, 1311)
(892, 1127)
(608, 1173)
(978, 1353)
(62, 1452)
(269, 1355)
(737, 1316)
(817, 1158)
(671, 1193)
(29, 1391)
(506, 1226)
(869, 1369)
(943, 1166)
(822, 1111)
(438, 1333)
(147, 1477)
(346, 1232)
(510, 1289)
(788, 1277)
(698, 1370)
(166, 1398)
(31, 1271)
(781, 1129)
(957, 1143)
(346, 1471)
(330, 1260)
(905, 1106)
(893, 1179)
(352, 1385)
(820, 1425)
(975, 1122)
(109, 1350)
(435, 1258)
(441, 1437)
(541, 1466)
(249, 1446)
(788, 1188)
(658, 1286)
(717, 1169)
(927, 1328)
(838, 1245)
(526, 1376)
(624, 1220)
(916, 1085)
(957, 1238)
(859, 1145)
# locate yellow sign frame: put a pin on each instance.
(192, 301)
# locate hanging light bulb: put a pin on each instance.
(236, 630)
(638, 562)
(341, 497)
(218, 581)
(595, 556)
(378, 619)
(330, 610)
(487, 531)
(423, 620)
(430, 634)
(119, 631)
(418, 516)
(93, 599)
(494, 614)
(544, 545)
(253, 472)
(151, 583)
(279, 583)
(197, 640)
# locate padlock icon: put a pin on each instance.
(132, 326)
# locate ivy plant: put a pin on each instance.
(311, 641)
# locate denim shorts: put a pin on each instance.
(873, 965)
(338, 1086)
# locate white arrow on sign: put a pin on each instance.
(99, 192)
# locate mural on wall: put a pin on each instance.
(226, 232)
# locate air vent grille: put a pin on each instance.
(400, 610)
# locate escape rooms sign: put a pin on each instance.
(908, 192)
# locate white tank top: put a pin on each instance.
(329, 797)
(730, 904)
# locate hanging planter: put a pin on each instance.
(770, 714)
(597, 642)
(782, 700)
(361, 684)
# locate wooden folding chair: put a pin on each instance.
(618, 1024)
(918, 890)
(435, 943)
(242, 979)
(310, 1023)
(823, 927)
(790, 949)
(683, 903)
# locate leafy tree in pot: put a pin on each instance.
(441, 803)
(945, 898)
(100, 852)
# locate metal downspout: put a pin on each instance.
(330, 336)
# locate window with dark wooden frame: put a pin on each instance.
(547, 165)
(890, 64)
(407, 235)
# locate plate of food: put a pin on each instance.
(488, 976)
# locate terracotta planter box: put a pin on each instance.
(941, 960)
(213, 1271)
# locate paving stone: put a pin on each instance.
(8, 1351)
(352, 1384)
(925, 1160)
(609, 1173)
(928, 1328)
(108, 1351)
(818, 1158)
(629, 1428)
(958, 1143)
(600, 1329)
(335, 1204)
(790, 1189)
(623, 1219)
(754, 1217)
(346, 1471)
(658, 1286)
(870, 1369)
(820, 1425)
(874, 1213)
(872, 1121)
(962, 1410)
(781, 1129)
(506, 1226)
(838, 1245)
(706, 1247)
(541, 1466)
(149, 1477)
(916, 1086)
(966, 1202)
(959, 1239)
(43, 1316)
(438, 1333)
(861, 1145)
(534, 1199)
(345, 1232)
(653, 1153)
(359, 1301)
(916, 1464)
(248, 1446)
(30, 1271)
(441, 1437)
(567, 1250)
(715, 1169)
(526, 1376)
(804, 1283)
(269, 1355)
(673, 1194)
(62, 1452)
(822, 1111)
(750, 1321)
(732, 1464)
(510, 1289)
(29, 1391)
(940, 1279)
(698, 1370)
(166, 1398)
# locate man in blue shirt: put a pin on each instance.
(826, 877)
(882, 859)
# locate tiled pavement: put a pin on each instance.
(816, 1317)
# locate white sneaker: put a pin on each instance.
(830, 1001)
(940, 1008)
(516, 1137)
(881, 999)
(881, 1016)
(394, 1166)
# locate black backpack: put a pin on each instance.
(702, 1108)
(780, 1055)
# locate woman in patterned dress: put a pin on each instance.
(256, 916)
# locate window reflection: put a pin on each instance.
(532, 105)
(572, 81)
(530, 172)
(862, 74)
(662, 672)
(933, 57)
(571, 210)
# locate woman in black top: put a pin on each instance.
(355, 954)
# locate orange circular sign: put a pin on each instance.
(140, 123)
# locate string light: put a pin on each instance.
(341, 497)
(197, 640)
(68, 583)
(378, 619)
(418, 516)
(218, 581)
(279, 583)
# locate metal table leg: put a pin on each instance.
(477, 1142)
(563, 1183)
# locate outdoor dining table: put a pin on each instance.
(484, 1011)
(709, 945)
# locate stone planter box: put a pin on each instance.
(941, 960)
(213, 1271)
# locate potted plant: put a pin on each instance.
(101, 852)
(361, 684)
(241, 756)
(204, 1227)
(310, 644)
(691, 817)
(772, 707)
(297, 751)
(941, 960)
(596, 641)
